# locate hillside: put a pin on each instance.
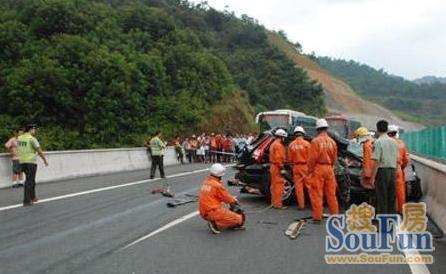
(339, 96)
(421, 103)
(107, 73)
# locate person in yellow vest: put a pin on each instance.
(157, 147)
(28, 148)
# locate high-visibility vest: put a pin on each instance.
(27, 148)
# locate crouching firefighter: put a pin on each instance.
(211, 198)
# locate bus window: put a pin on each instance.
(269, 121)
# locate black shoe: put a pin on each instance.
(316, 222)
(15, 185)
(213, 228)
(20, 185)
(27, 204)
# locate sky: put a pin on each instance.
(404, 37)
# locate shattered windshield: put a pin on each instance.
(355, 148)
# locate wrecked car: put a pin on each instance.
(252, 171)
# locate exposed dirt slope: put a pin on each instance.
(339, 96)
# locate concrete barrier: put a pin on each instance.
(433, 182)
(81, 163)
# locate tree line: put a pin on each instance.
(107, 73)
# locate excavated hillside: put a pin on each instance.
(340, 98)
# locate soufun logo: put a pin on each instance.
(360, 230)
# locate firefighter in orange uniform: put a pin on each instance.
(403, 160)
(364, 139)
(322, 181)
(277, 161)
(298, 156)
(211, 197)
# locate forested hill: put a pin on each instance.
(108, 73)
(424, 103)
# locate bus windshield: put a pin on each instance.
(269, 121)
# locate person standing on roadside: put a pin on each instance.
(213, 147)
(277, 157)
(186, 147)
(28, 148)
(385, 158)
(179, 150)
(11, 146)
(363, 138)
(322, 181)
(298, 152)
(193, 147)
(403, 160)
(157, 147)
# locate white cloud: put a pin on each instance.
(404, 37)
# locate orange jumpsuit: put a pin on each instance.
(212, 195)
(322, 158)
(277, 160)
(367, 163)
(400, 186)
(298, 155)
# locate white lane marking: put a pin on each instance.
(103, 189)
(415, 268)
(161, 229)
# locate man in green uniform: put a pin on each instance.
(157, 147)
(28, 148)
(385, 157)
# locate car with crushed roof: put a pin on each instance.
(252, 171)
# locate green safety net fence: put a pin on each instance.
(430, 142)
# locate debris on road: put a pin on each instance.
(267, 222)
(179, 202)
(165, 191)
(295, 228)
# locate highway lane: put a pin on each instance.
(87, 233)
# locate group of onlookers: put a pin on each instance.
(204, 148)
(210, 148)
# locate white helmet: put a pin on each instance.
(392, 128)
(281, 133)
(218, 170)
(320, 123)
(299, 129)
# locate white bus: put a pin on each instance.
(287, 119)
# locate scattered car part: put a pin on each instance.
(165, 191)
(294, 229)
(179, 202)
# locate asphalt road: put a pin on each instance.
(93, 232)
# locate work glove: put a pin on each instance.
(236, 209)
